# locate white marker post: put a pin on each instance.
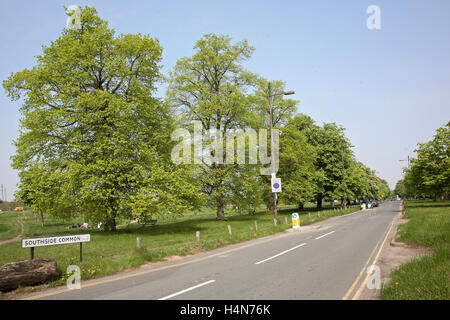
(295, 221)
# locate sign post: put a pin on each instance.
(295, 221)
(51, 241)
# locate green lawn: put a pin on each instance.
(427, 278)
(108, 253)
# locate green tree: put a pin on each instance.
(429, 173)
(212, 87)
(90, 119)
(40, 189)
(399, 189)
(331, 146)
(297, 158)
(357, 181)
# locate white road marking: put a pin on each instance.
(186, 290)
(279, 254)
(324, 235)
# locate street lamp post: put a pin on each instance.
(272, 156)
(343, 175)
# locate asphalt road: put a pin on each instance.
(327, 260)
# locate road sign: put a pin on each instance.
(276, 184)
(295, 221)
(51, 241)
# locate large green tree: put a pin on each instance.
(429, 173)
(91, 122)
(333, 158)
(297, 158)
(212, 88)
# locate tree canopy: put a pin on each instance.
(429, 173)
(92, 124)
(96, 140)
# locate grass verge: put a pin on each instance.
(427, 278)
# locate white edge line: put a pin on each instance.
(324, 235)
(186, 290)
(279, 254)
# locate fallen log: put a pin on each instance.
(26, 273)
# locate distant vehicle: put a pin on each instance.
(374, 203)
(18, 209)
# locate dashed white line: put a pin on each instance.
(186, 290)
(279, 254)
(324, 235)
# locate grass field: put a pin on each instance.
(427, 278)
(108, 253)
(9, 227)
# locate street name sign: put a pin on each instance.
(51, 241)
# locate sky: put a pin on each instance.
(389, 87)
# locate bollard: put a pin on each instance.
(285, 220)
(197, 235)
(256, 225)
(138, 242)
(229, 230)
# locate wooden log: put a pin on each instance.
(26, 273)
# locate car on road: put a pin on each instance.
(374, 203)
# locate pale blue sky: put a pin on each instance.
(389, 88)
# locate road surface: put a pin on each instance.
(327, 260)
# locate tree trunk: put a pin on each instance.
(301, 206)
(220, 208)
(110, 224)
(319, 201)
(332, 204)
(42, 218)
(271, 201)
(26, 273)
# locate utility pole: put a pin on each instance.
(405, 160)
(2, 192)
